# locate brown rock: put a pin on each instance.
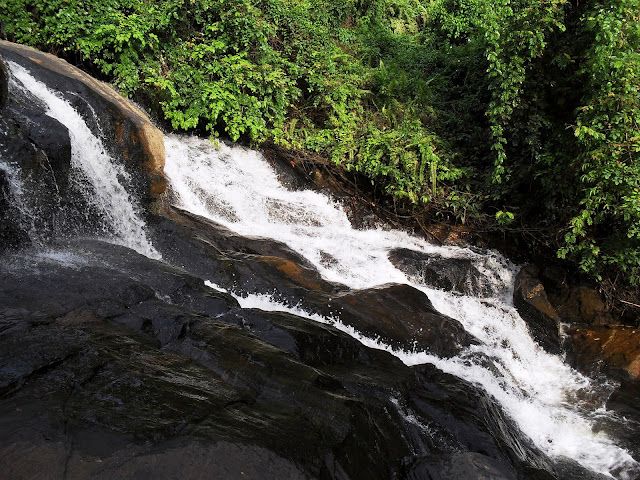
(582, 305)
(617, 346)
(531, 300)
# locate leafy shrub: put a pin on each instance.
(527, 108)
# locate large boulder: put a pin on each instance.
(530, 298)
(616, 348)
(455, 274)
(402, 317)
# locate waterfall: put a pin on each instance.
(19, 200)
(553, 404)
(96, 171)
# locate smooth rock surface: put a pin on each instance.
(450, 274)
(531, 300)
(106, 356)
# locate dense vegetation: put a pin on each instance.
(517, 114)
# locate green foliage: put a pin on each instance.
(525, 107)
(606, 230)
(504, 218)
(287, 72)
(510, 35)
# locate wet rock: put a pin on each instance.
(12, 233)
(567, 468)
(36, 158)
(450, 274)
(151, 370)
(401, 316)
(134, 138)
(624, 402)
(482, 426)
(617, 347)
(107, 356)
(4, 84)
(229, 242)
(531, 300)
(582, 304)
(243, 264)
(462, 465)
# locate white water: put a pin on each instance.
(552, 404)
(101, 175)
(16, 190)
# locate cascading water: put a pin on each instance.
(552, 404)
(12, 175)
(100, 176)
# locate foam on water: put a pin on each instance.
(99, 173)
(553, 404)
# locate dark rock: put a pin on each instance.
(4, 84)
(13, 233)
(624, 402)
(531, 300)
(567, 468)
(462, 465)
(401, 316)
(36, 154)
(212, 252)
(479, 422)
(110, 356)
(450, 274)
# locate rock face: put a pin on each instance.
(450, 274)
(399, 315)
(136, 139)
(617, 346)
(531, 300)
(107, 355)
(581, 304)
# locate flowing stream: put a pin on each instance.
(557, 407)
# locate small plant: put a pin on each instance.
(504, 218)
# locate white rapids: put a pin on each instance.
(553, 404)
(99, 174)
